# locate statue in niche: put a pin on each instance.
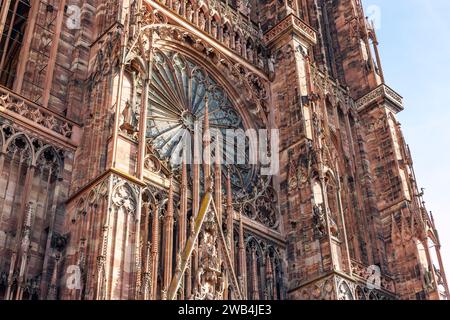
(202, 21)
(189, 12)
(177, 6)
(238, 46)
(428, 279)
(438, 273)
(226, 37)
(214, 29)
(260, 61)
(318, 129)
(334, 229)
(128, 120)
(250, 53)
(271, 64)
(319, 219)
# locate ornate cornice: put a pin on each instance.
(291, 24)
(380, 94)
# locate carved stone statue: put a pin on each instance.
(128, 119)
(260, 61)
(271, 65)
(202, 21)
(226, 37)
(238, 46)
(189, 12)
(210, 272)
(214, 29)
(177, 6)
(250, 56)
(319, 219)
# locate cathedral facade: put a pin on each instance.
(116, 181)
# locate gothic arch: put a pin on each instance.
(344, 291)
(278, 269)
(148, 197)
(359, 293)
(227, 26)
(139, 65)
(27, 141)
(124, 196)
(46, 152)
(202, 5)
(216, 16)
(373, 296)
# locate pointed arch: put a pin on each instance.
(344, 291)
(48, 155)
(26, 140)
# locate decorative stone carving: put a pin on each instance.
(319, 220)
(124, 198)
(47, 119)
(210, 274)
(382, 92)
(59, 242)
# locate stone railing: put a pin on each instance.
(381, 92)
(288, 23)
(233, 30)
(362, 273)
(19, 106)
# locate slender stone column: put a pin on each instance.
(255, 290)
(168, 239)
(242, 257)
(230, 217)
(183, 217)
(155, 252)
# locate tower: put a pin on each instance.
(119, 179)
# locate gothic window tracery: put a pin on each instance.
(264, 270)
(360, 294)
(344, 292)
(30, 170)
(176, 109)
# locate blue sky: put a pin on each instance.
(414, 38)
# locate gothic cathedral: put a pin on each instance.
(99, 198)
